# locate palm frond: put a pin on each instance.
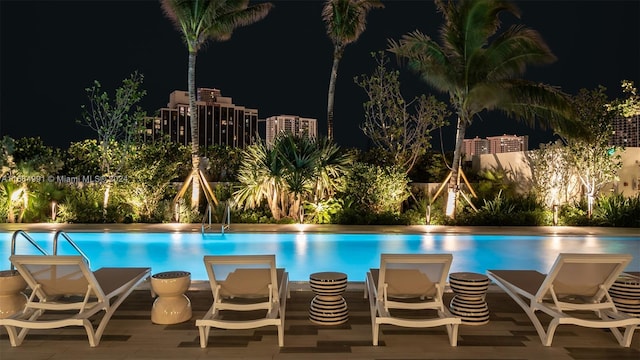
(510, 53)
(425, 57)
(346, 20)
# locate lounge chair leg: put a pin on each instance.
(376, 330)
(452, 330)
(280, 335)
(14, 338)
(624, 340)
(204, 336)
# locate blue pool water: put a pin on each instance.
(304, 253)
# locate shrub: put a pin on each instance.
(617, 210)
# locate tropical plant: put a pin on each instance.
(480, 69)
(200, 21)
(291, 171)
(618, 210)
(399, 127)
(345, 20)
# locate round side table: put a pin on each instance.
(12, 299)
(328, 307)
(625, 293)
(469, 301)
(171, 306)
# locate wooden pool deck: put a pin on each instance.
(131, 335)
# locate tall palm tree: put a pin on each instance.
(200, 21)
(345, 21)
(480, 68)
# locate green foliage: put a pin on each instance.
(222, 162)
(32, 157)
(291, 171)
(147, 179)
(373, 189)
(323, 211)
(493, 183)
(617, 210)
(83, 158)
(506, 211)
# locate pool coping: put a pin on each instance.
(311, 228)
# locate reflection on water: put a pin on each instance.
(305, 253)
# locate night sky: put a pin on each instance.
(52, 50)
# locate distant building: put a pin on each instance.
(475, 146)
(507, 143)
(220, 122)
(292, 124)
(494, 145)
(626, 132)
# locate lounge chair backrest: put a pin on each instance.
(413, 275)
(586, 275)
(51, 276)
(243, 276)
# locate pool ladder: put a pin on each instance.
(59, 233)
(226, 220)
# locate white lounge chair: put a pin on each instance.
(243, 283)
(575, 282)
(65, 287)
(410, 282)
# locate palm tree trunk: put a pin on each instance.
(455, 168)
(337, 55)
(195, 148)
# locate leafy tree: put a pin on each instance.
(553, 175)
(200, 21)
(401, 128)
(376, 189)
(346, 20)
(222, 162)
(480, 68)
(593, 158)
(116, 123)
(83, 158)
(151, 169)
(630, 106)
(32, 156)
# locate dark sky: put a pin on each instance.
(52, 50)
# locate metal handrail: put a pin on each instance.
(226, 225)
(206, 215)
(71, 242)
(29, 238)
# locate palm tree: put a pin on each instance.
(200, 21)
(345, 20)
(480, 69)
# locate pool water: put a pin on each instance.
(305, 253)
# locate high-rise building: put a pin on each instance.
(292, 124)
(495, 145)
(626, 132)
(507, 143)
(220, 122)
(475, 146)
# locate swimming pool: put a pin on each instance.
(305, 253)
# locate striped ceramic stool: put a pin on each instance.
(625, 293)
(328, 307)
(469, 302)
